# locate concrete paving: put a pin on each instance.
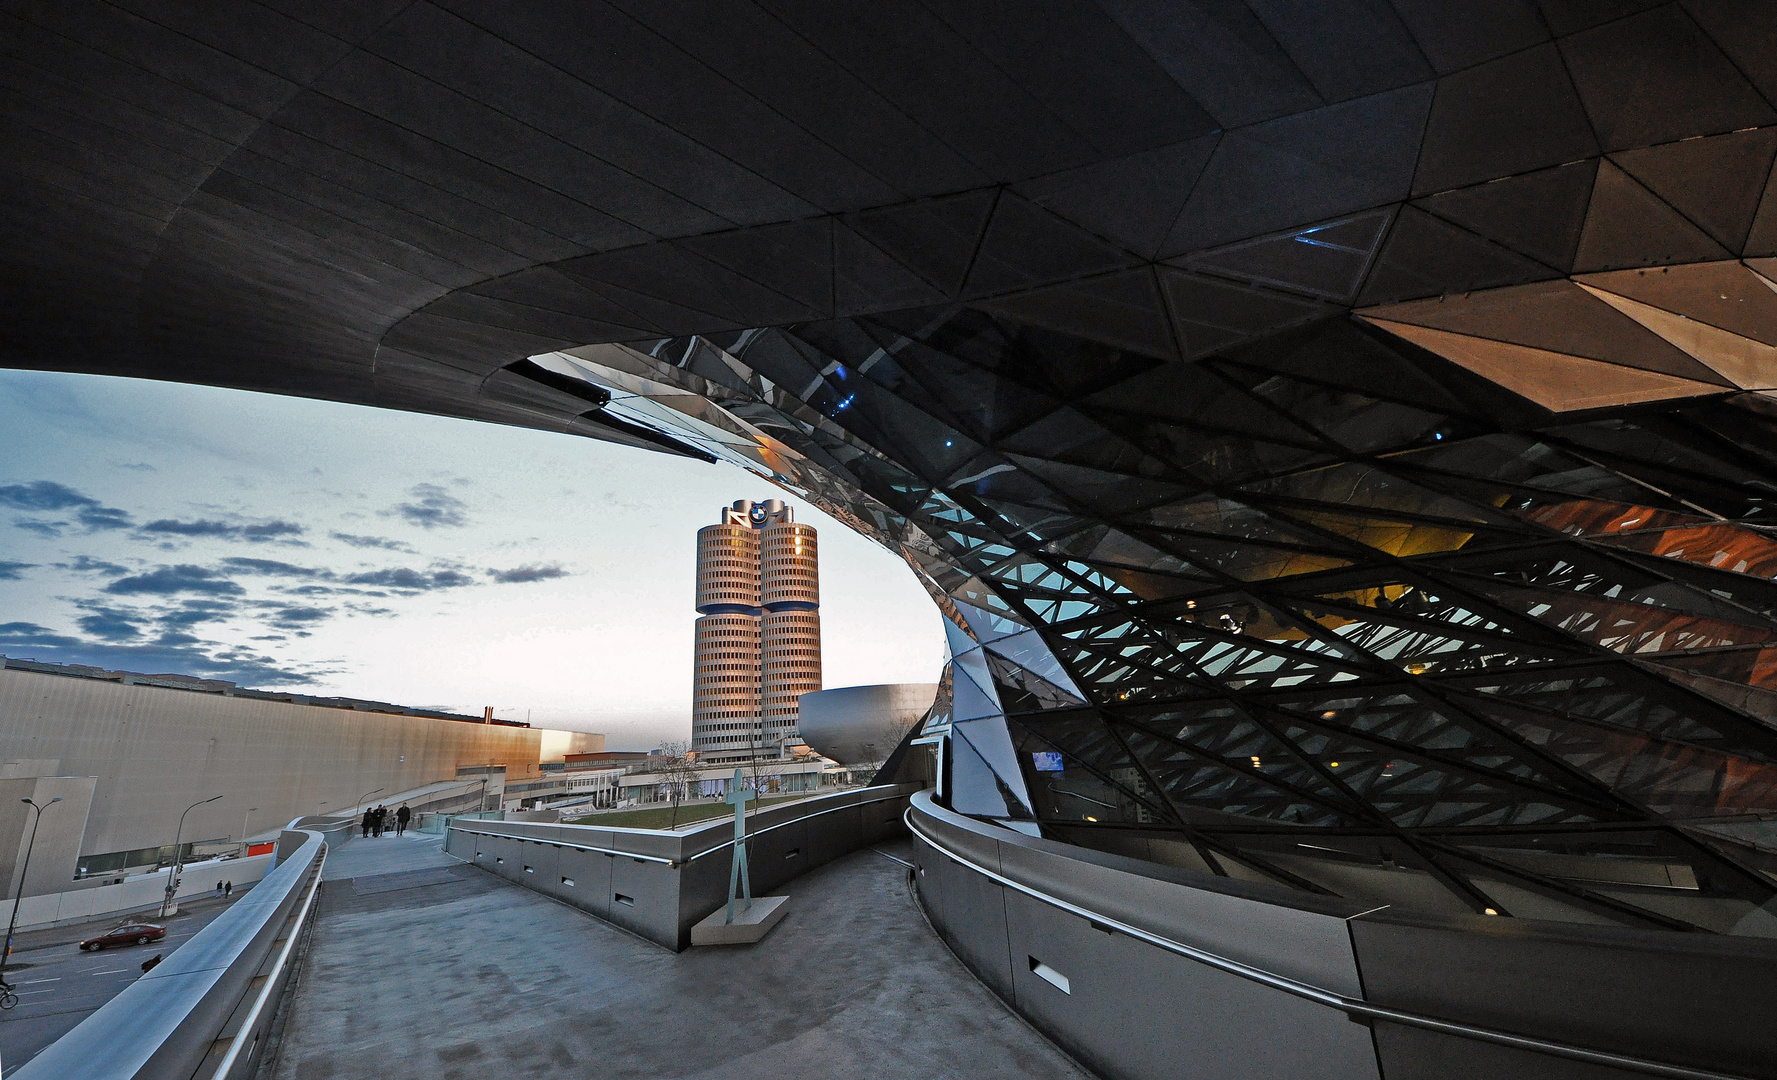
(424, 967)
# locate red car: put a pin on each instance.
(127, 934)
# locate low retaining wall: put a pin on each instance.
(203, 1013)
(1144, 971)
(659, 884)
(141, 893)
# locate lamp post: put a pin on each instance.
(362, 799)
(19, 893)
(248, 817)
(173, 870)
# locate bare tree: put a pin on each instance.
(767, 749)
(678, 769)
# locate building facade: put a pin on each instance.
(148, 746)
(758, 640)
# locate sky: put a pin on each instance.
(288, 544)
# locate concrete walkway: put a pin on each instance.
(424, 967)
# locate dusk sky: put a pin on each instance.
(290, 544)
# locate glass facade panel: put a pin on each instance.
(1304, 623)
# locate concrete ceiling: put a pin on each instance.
(386, 202)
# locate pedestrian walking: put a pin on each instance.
(369, 820)
(402, 817)
(219, 890)
(227, 889)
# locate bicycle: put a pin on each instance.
(7, 998)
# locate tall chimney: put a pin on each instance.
(487, 714)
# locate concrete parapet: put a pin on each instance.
(659, 885)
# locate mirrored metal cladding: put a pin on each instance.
(1299, 612)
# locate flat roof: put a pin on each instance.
(222, 686)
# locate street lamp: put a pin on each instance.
(173, 870)
(19, 893)
(362, 799)
(244, 820)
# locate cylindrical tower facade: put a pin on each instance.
(727, 569)
(725, 689)
(790, 637)
(758, 644)
(725, 673)
(791, 644)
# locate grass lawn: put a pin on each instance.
(660, 817)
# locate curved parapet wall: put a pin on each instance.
(658, 883)
(206, 1009)
(1143, 971)
(857, 725)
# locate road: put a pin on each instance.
(58, 985)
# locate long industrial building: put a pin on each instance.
(148, 746)
(1340, 439)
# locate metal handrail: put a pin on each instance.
(158, 1027)
(454, 827)
(1320, 995)
(271, 980)
(723, 846)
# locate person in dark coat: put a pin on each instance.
(369, 820)
(402, 817)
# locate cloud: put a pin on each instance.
(193, 612)
(370, 541)
(175, 655)
(110, 624)
(43, 495)
(84, 565)
(270, 530)
(274, 568)
(528, 572)
(290, 618)
(47, 529)
(138, 466)
(411, 580)
(168, 580)
(256, 533)
(190, 528)
(103, 517)
(10, 571)
(433, 508)
(16, 634)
